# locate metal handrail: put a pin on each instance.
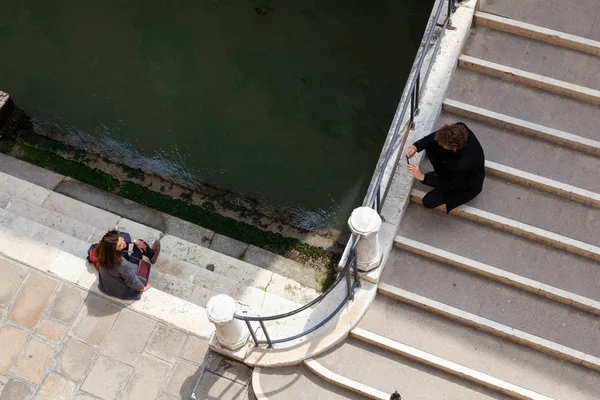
(375, 195)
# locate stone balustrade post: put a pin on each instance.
(231, 333)
(366, 222)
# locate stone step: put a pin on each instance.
(379, 377)
(556, 38)
(538, 81)
(521, 229)
(492, 306)
(480, 351)
(534, 56)
(491, 246)
(536, 208)
(543, 108)
(60, 222)
(296, 383)
(496, 274)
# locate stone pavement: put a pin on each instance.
(61, 342)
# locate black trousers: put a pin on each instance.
(434, 199)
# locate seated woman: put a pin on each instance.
(117, 275)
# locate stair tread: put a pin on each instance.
(382, 369)
(483, 352)
(544, 108)
(534, 56)
(491, 246)
(495, 301)
(533, 155)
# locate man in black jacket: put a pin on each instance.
(458, 163)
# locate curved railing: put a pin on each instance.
(378, 187)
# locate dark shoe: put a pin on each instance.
(156, 249)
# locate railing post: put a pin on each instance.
(231, 332)
(366, 222)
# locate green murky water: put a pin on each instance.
(290, 108)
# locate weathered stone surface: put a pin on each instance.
(75, 360)
(12, 341)
(107, 379)
(50, 330)
(11, 277)
(81, 396)
(56, 387)
(183, 379)
(232, 370)
(66, 303)
(32, 300)
(166, 342)
(15, 390)
(231, 247)
(128, 337)
(34, 361)
(148, 377)
(213, 386)
(95, 320)
(196, 349)
(80, 210)
(29, 172)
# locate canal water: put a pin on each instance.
(286, 102)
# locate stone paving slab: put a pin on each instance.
(23, 189)
(81, 211)
(29, 172)
(77, 345)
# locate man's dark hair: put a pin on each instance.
(453, 136)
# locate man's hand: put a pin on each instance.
(410, 151)
(141, 245)
(148, 286)
(415, 171)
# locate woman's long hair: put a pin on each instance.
(107, 250)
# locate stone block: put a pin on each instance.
(29, 172)
(75, 359)
(196, 349)
(16, 390)
(107, 379)
(32, 300)
(34, 361)
(95, 320)
(26, 250)
(81, 211)
(68, 266)
(183, 379)
(12, 341)
(55, 387)
(128, 337)
(11, 277)
(148, 377)
(66, 303)
(23, 189)
(81, 396)
(232, 370)
(51, 330)
(166, 342)
(225, 245)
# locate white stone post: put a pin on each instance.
(231, 333)
(366, 222)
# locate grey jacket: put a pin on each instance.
(121, 281)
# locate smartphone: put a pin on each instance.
(407, 160)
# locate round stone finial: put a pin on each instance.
(220, 309)
(364, 220)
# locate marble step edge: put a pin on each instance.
(497, 274)
(489, 326)
(537, 81)
(283, 288)
(560, 189)
(552, 135)
(520, 229)
(450, 367)
(64, 266)
(535, 32)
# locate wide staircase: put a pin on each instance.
(500, 298)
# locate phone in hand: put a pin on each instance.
(407, 160)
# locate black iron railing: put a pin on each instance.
(378, 188)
